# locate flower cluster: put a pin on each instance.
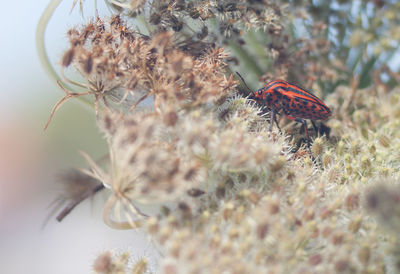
(127, 67)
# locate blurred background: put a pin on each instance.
(31, 159)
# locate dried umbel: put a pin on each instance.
(99, 52)
(237, 150)
(237, 111)
(158, 158)
(127, 67)
(291, 227)
(107, 263)
(234, 16)
(146, 166)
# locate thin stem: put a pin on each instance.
(138, 102)
(144, 23)
(248, 62)
(96, 12)
(41, 47)
(40, 39)
(68, 96)
(258, 49)
(76, 202)
(111, 203)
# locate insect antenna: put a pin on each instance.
(244, 82)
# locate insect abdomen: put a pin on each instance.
(304, 104)
(306, 109)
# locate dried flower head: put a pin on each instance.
(147, 166)
(126, 67)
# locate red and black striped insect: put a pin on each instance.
(295, 102)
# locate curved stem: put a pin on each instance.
(96, 12)
(142, 21)
(77, 201)
(41, 48)
(40, 39)
(116, 224)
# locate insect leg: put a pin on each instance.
(325, 130)
(315, 127)
(271, 118)
(276, 122)
(304, 125)
(273, 112)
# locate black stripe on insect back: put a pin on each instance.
(277, 92)
(307, 94)
(271, 84)
(302, 91)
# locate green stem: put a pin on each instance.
(247, 60)
(144, 23)
(258, 49)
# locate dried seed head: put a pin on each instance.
(171, 118)
(384, 140)
(342, 265)
(274, 207)
(262, 230)
(87, 65)
(103, 263)
(355, 224)
(140, 266)
(352, 202)
(155, 18)
(277, 164)
(203, 34)
(185, 210)
(327, 159)
(364, 255)
(195, 192)
(317, 146)
(254, 197)
(68, 58)
(337, 238)
(315, 259)
(228, 211)
(220, 191)
(152, 225)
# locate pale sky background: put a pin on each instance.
(30, 158)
